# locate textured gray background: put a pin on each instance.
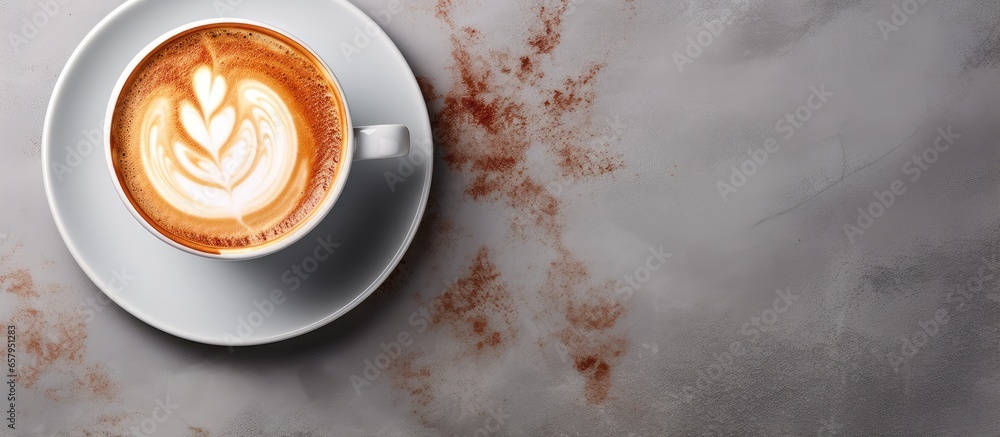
(834, 362)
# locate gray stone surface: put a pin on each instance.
(770, 316)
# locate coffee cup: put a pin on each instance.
(231, 139)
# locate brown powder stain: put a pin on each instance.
(55, 341)
(109, 425)
(100, 384)
(598, 374)
(527, 68)
(594, 355)
(547, 35)
(488, 118)
(426, 89)
(413, 379)
(501, 102)
(594, 360)
(95, 385)
(51, 339)
(111, 420)
(19, 282)
(478, 307)
(478, 311)
(573, 94)
(590, 315)
(443, 11)
(194, 431)
(8, 255)
(594, 316)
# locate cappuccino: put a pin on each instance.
(228, 137)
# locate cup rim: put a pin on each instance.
(317, 215)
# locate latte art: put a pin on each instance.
(227, 137)
(230, 160)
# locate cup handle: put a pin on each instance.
(381, 141)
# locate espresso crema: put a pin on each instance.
(226, 138)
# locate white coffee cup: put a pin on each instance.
(362, 143)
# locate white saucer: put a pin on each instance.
(229, 302)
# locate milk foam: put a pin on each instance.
(231, 159)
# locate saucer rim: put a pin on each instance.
(219, 340)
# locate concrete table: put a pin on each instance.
(648, 218)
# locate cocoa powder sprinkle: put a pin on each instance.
(19, 282)
(54, 335)
(499, 102)
(479, 306)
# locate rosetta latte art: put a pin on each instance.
(229, 160)
(227, 138)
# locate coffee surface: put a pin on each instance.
(226, 138)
